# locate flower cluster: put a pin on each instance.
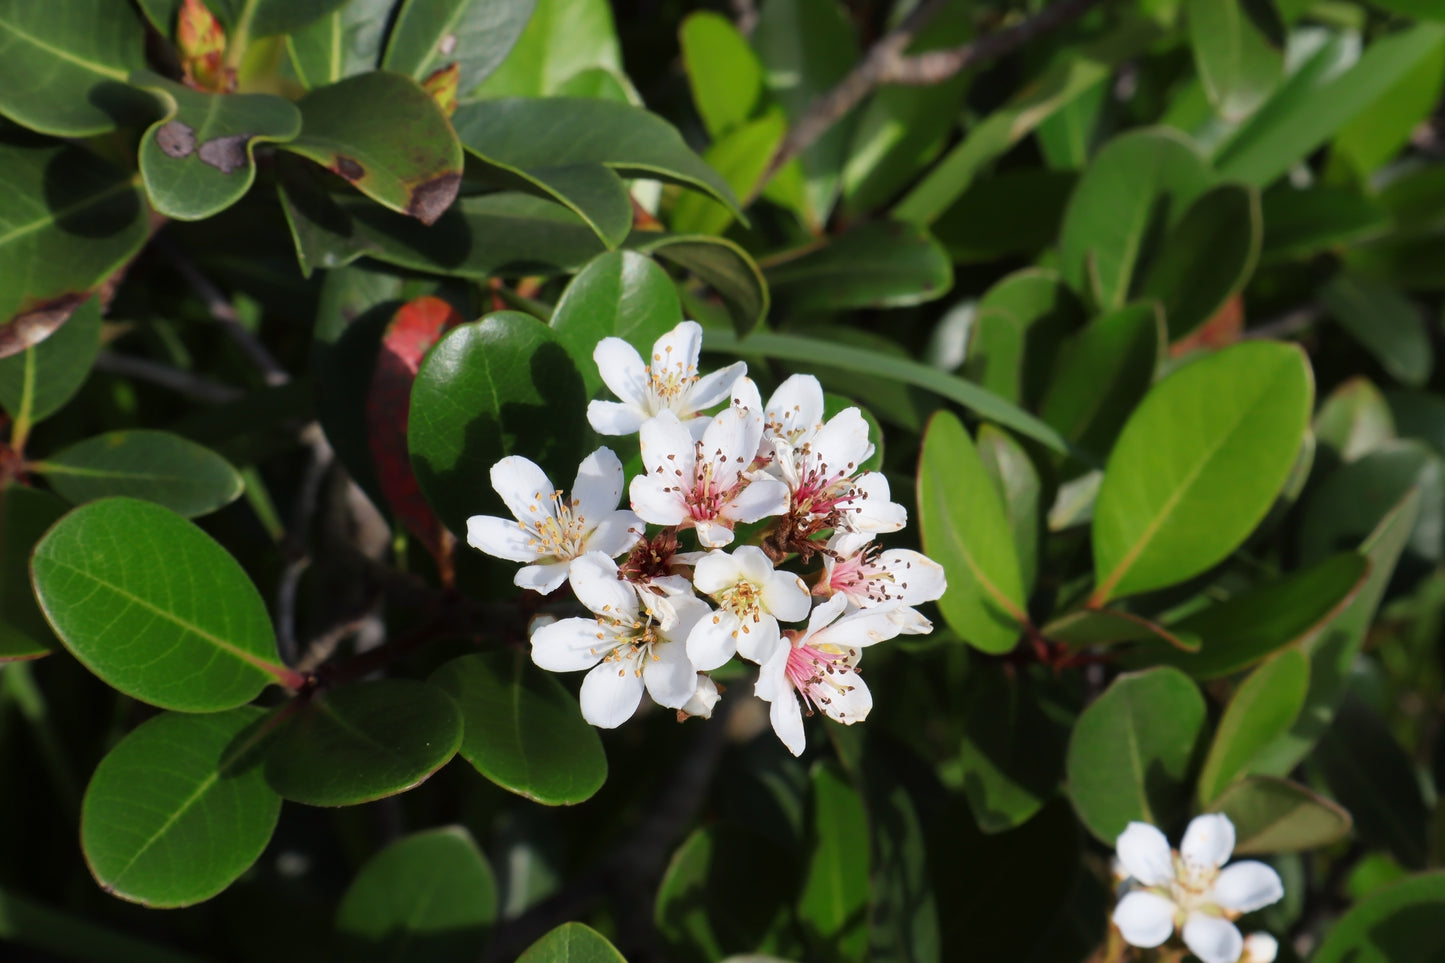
(664, 618)
(1187, 890)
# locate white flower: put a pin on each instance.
(705, 484)
(1187, 890)
(669, 383)
(1259, 948)
(551, 531)
(868, 577)
(794, 412)
(818, 666)
(752, 597)
(703, 699)
(625, 646)
(827, 487)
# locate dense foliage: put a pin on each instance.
(1009, 496)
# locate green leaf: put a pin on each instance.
(387, 137)
(1017, 481)
(814, 351)
(1385, 323)
(1100, 375)
(1010, 213)
(903, 917)
(1132, 750)
(721, 265)
(64, 66)
(73, 936)
(1197, 466)
(882, 264)
(1373, 777)
(1398, 924)
(1012, 753)
(179, 808)
(1317, 101)
(247, 18)
(38, 381)
(833, 904)
(1138, 187)
(427, 35)
(806, 47)
(1353, 421)
(563, 39)
(1236, 47)
(1377, 134)
(1082, 628)
(198, 638)
(500, 386)
(1017, 332)
(1250, 625)
(69, 221)
(620, 294)
(1207, 257)
(25, 515)
(196, 161)
(1278, 816)
(741, 156)
(1298, 222)
(155, 465)
(965, 529)
(572, 943)
(341, 44)
(723, 73)
(428, 897)
(522, 729)
(346, 746)
(1347, 505)
(1263, 707)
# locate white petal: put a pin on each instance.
(704, 697)
(622, 370)
(910, 621)
(1260, 948)
(711, 641)
(670, 675)
(713, 534)
(594, 579)
(666, 444)
(787, 719)
(689, 610)
(1144, 919)
(852, 703)
(1144, 852)
(716, 571)
(786, 596)
(874, 511)
(862, 628)
(1213, 939)
(654, 499)
(569, 645)
(745, 395)
(846, 544)
(598, 485)
(678, 349)
(795, 411)
(917, 577)
(524, 487)
(762, 498)
(758, 641)
(615, 534)
(610, 694)
(502, 537)
(1248, 886)
(842, 444)
(696, 426)
(543, 578)
(728, 445)
(823, 615)
(1208, 841)
(710, 389)
(615, 418)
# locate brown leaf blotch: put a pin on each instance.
(38, 321)
(226, 154)
(348, 167)
(176, 139)
(430, 199)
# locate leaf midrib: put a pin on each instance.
(114, 73)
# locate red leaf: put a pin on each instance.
(417, 326)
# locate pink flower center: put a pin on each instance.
(863, 580)
(819, 677)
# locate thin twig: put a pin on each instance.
(303, 510)
(192, 386)
(886, 63)
(1290, 323)
(746, 13)
(321, 648)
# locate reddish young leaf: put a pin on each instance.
(202, 43)
(442, 85)
(1220, 331)
(417, 326)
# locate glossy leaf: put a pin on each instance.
(884, 264)
(25, 515)
(522, 729)
(833, 903)
(1385, 323)
(362, 742)
(1132, 750)
(1088, 627)
(619, 295)
(38, 381)
(341, 44)
(155, 465)
(483, 393)
(264, 18)
(563, 39)
(1264, 706)
(1017, 481)
(196, 634)
(1398, 924)
(1197, 466)
(1017, 332)
(429, 34)
(179, 808)
(428, 896)
(572, 943)
(64, 66)
(1377, 134)
(723, 73)
(1138, 187)
(1012, 752)
(1278, 816)
(966, 530)
(1237, 52)
(70, 220)
(741, 156)
(722, 265)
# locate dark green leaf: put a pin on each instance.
(1347, 505)
(372, 739)
(1385, 323)
(720, 264)
(341, 44)
(1012, 756)
(1088, 627)
(179, 808)
(1239, 58)
(38, 381)
(723, 73)
(1017, 332)
(572, 943)
(427, 35)
(197, 636)
(1278, 816)
(965, 529)
(72, 936)
(833, 905)
(564, 39)
(386, 136)
(155, 465)
(884, 264)
(903, 917)
(1197, 466)
(25, 515)
(1263, 707)
(500, 386)
(428, 897)
(1299, 222)
(522, 729)
(1132, 750)
(1398, 924)
(1013, 212)
(1017, 481)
